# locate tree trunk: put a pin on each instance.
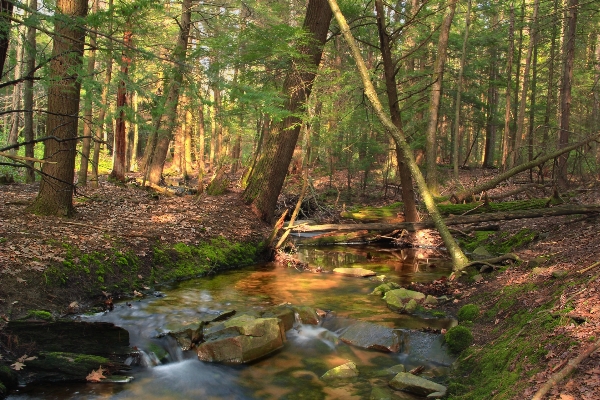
(455, 141)
(165, 134)
(436, 94)
(6, 9)
(492, 106)
(104, 101)
(523, 100)
(13, 136)
(55, 196)
(200, 149)
(565, 87)
(459, 260)
(506, 137)
(408, 194)
(88, 108)
(136, 135)
(267, 179)
(28, 128)
(120, 149)
(550, 100)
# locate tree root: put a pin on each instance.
(563, 373)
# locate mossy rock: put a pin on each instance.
(458, 338)
(8, 379)
(468, 312)
(64, 366)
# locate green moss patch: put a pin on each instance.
(458, 338)
(498, 242)
(468, 312)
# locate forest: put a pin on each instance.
(146, 143)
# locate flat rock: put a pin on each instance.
(357, 272)
(372, 336)
(398, 299)
(347, 370)
(417, 385)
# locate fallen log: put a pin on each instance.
(457, 220)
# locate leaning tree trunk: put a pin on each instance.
(408, 193)
(436, 94)
(165, 133)
(266, 181)
(565, 87)
(459, 259)
(55, 196)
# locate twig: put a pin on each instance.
(563, 373)
(594, 265)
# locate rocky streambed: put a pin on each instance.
(267, 332)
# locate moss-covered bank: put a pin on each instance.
(121, 270)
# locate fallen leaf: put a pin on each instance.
(140, 276)
(17, 366)
(20, 280)
(96, 376)
(137, 294)
(566, 397)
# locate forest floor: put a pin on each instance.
(136, 219)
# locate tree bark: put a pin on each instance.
(492, 105)
(459, 260)
(266, 181)
(506, 137)
(55, 195)
(434, 103)
(13, 136)
(408, 194)
(565, 88)
(28, 128)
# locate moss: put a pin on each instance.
(468, 312)
(498, 243)
(39, 314)
(8, 378)
(458, 338)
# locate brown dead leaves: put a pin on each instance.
(96, 375)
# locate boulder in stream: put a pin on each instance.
(403, 300)
(372, 336)
(384, 288)
(420, 386)
(357, 272)
(241, 339)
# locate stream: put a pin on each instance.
(293, 372)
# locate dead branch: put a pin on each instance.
(521, 189)
(563, 373)
(469, 193)
(496, 260)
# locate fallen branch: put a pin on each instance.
(563, 373)
(492, 261)
(457, 220)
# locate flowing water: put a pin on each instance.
(294, 371)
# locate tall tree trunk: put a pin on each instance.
(523, 101)
(515, 102)
(136, 134)
(28, 128)
(6, 9)
(200, 148)
(165, 134)
(13, 136)
(120, 149)
(267, 179)
(408, 194)
(456, 135)
(550, 95)
(104, 104)
(506, 136)
(492, 106)
(459, 260)
(436, 94)
(565, 87)
(88, 112)
(55, 195)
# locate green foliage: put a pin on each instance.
(468, 312)
(458, 338)
(39, 314)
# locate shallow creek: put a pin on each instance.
(294, 371)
